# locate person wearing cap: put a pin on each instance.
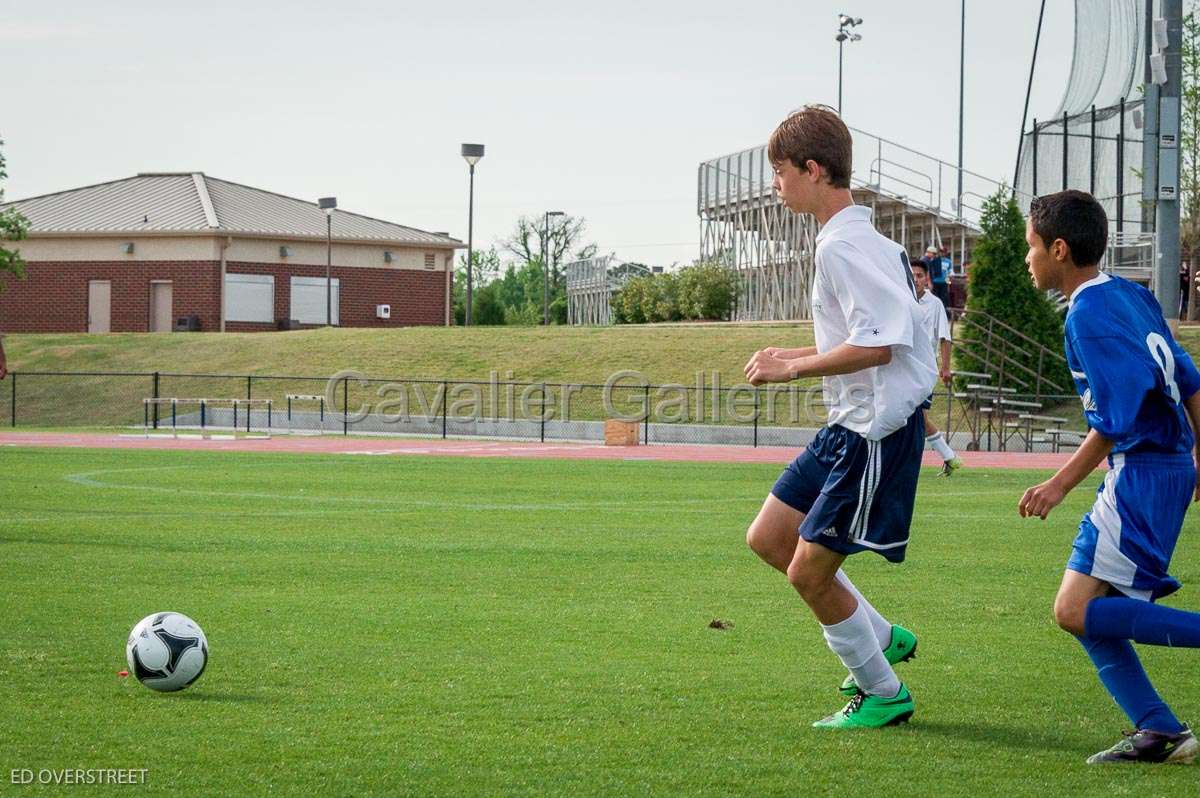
(939, 273)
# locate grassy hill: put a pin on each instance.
(666, 353)
(663, 353)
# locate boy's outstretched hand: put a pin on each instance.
(1041, 499)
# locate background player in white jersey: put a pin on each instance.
(1141, 399)
(852, 488)
(938, 329)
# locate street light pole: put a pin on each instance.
(546, 267)
(845, 22)
(328, 204)
(471, 153)
(841, 40)
(962, 50)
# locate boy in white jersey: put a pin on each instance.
(853, 488)
(938, 329)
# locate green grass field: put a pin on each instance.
(421, 626)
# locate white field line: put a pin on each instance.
(88, 479)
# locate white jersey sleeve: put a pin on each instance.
(871, 300)
(942, 330)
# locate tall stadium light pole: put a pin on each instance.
(471, 153)
(844, 34)
(1167, 216)
(546, 267)
(1037, 39)
(962, 61)
(327, 204)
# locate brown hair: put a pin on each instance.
(814, 133)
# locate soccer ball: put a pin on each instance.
(167, 651)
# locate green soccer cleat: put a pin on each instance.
(871, 712)
(950, 466)
(902, 648)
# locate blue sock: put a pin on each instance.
(1122, 674)
(1142, 622)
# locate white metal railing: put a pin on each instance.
(890, 168)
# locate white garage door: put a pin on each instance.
(249, 297)
(308, 300)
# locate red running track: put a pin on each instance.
(331, 444)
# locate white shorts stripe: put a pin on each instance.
(858, 531)
(862, 491)
(1109, 563)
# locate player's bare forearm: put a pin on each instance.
(793, 354)
(842, 359)
(1192, 405)
(767, 367)
(1041, 499)
(945, 352)
(1087, 458)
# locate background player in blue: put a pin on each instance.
(1139, 391)
(852, 488)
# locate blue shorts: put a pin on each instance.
(1128, 537)
(856, 494)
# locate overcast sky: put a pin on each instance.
(600, 109)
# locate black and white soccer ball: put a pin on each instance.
(167, 651)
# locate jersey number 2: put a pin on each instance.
(1165, 358)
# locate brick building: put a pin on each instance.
(160, 251)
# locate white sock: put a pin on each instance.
(881, 625)
(854, 641)
(938, 442)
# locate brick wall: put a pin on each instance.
(53, 297)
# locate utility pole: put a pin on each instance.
(1166, 267)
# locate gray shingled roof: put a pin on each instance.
(192, 202)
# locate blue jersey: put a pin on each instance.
(1131, 374)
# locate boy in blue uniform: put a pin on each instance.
(1141, 399)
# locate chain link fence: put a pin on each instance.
(351, 404)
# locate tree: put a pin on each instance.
(486, 308)
(487, 268)
(999, 286)
(707, 292)
(630, 300)
(661, 300)
(13, 227)
(566, 233)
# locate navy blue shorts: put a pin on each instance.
(857, 495)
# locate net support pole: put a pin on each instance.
(1121, 170)
(1092, 156)
(1034, 157)
(1066, 150)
